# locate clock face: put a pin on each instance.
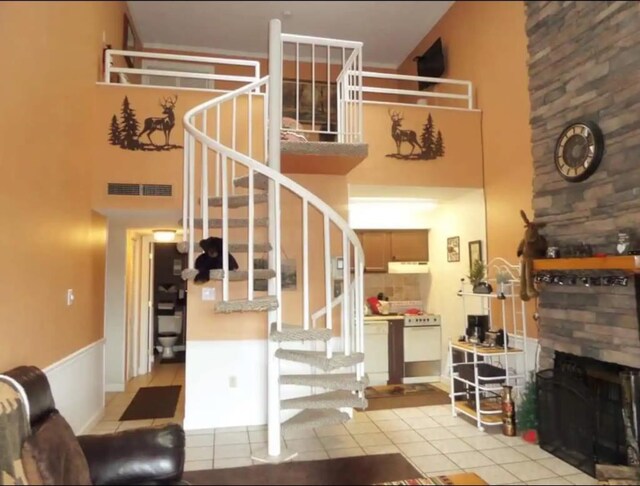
(579, 151)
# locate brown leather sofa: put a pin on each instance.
(148, 455)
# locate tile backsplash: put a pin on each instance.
(395, 286)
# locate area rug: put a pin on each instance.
(403, 396)
(152, 402)
(469, 479)
(348, 470)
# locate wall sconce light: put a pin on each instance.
(164, 235)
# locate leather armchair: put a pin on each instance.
(148, 455)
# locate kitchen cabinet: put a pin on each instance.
(409, 246)
(376, 246)
(383, 246)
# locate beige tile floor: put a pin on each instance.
(429, 437)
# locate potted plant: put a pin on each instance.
(476, 277)
(527, 413)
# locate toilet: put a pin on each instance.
(169, 328)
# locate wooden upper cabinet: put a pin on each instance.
(409, 246)
(383, 246)
(377, 248)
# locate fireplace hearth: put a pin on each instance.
(580, 412)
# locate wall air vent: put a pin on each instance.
(157, 189)
(118, 189)
(124, 189)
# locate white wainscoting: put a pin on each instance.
(211, 366)
(77, 383)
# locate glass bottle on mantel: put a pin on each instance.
(508, 412)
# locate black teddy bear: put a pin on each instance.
(211, 259)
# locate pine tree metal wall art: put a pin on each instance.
(126, 132)
(430, 145)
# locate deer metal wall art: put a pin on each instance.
(125, 132)
(164, 123)
(400, 136)
(430, 143)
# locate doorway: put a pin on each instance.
(169, 304)
(157, 307)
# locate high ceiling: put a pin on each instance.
(389, 30)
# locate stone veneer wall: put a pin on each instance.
(584, 63)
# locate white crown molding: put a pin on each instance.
(244, 54)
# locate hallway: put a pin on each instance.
(117, 402)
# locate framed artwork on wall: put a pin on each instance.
(453, 249)
(321, 95)
(475, 252)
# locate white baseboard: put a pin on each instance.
(88, 427)
(77, 384)
(115, 387)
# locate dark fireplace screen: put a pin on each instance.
(580, 412)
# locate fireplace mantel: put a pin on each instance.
(626, 263)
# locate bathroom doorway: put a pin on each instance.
(157, 304)
(169, 304)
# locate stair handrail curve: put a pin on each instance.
(267, 171)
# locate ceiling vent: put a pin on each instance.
(124, 189)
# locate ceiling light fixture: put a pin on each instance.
(164, 235)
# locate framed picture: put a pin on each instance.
(475, 252)
(306, 100)
(453, 249)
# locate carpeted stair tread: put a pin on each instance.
(238, 201)
(242, 275)
(332, 399)
(332, 381)
(244, 305)
(260, 181)
(297, 333)
(183, 247)
(233, 222)
(319, 358)
(312, 418)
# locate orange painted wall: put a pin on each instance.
(114, 164)
(51, 239)
(461, 166)
(485, 42)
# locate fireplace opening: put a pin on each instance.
(580, 405)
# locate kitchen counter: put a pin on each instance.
(378, 318)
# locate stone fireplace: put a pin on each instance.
(584, 66)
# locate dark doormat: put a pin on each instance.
(152, 402)
(403, 396)
(179, 357)
(347, 470)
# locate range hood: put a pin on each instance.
(408, 267)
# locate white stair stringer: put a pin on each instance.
(313, 418)
(319, 358)
(330, 381)
(333, 399)
(298, 333)
(258, 304)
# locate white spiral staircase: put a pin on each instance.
(248, 195)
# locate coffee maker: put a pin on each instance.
(477, 326)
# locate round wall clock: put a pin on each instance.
(579, 150)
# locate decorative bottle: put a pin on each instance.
(508, 412)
